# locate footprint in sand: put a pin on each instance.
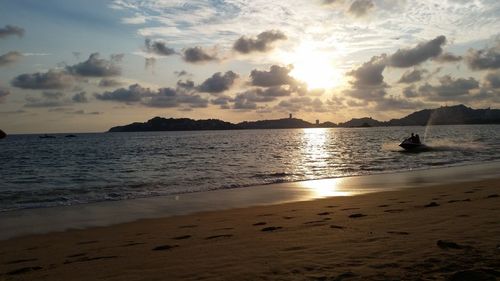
(188, 226)
(393, 211)
(432, 204)
(348, 209)
(259, 223)
(323, 214)
(182, 237)
(23, 270)
(358, 215)
(336, 226)
(398, 232)
(271, 228)
(164, 247)
(445, 245)
(219, 236)
(383, 206)
(20, 261)
(492, 196)
(87, 242)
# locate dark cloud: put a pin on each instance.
(96, 67)
(449, 89)
(168, 97)
(3, 93)
(370, 73)
(262, 43)
(158, 48)
(182, 73)
(52, 79)
(448, 57)
(418, 54)
(47, 99)
(218, 83)
(492, 80)
(410, 92)
(276, 76)
(368, 84)
(80, 97)
(163, 97)
(197, 55)
(9, 30)
(83, 112)
(186, 85)
(488, 58)
(134, 93)
(412, 76)
(222, 101)
(9, 58)
(107, 83)
(360, 8)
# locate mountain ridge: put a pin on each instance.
(447, 115)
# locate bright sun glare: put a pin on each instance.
(313, 66)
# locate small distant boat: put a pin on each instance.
(408, 144)
(47, 137)
(2, 134)
(70, 136)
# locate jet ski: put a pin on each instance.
(408, 144)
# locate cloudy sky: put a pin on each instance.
(84, 66)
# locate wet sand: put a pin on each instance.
(443, 232)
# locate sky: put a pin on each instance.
(85, 66)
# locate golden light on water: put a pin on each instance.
(326, 188)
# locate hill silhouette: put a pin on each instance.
(447, 115)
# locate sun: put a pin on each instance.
(313, 66)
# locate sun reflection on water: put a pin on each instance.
(327, 187)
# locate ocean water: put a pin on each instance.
(39, 173)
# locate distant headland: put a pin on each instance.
(447, 115)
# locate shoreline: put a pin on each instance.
(436, 232)
(55, 219)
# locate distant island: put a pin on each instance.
(447, 115)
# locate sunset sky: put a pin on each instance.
(85, 66)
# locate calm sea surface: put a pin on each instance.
(38, 172)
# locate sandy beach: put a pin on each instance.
(445, 232)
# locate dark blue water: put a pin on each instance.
(38, 172)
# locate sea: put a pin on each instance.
(95, 167)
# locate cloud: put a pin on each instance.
(198, 55)
(449, 89)
(134, 93)
(488, 58)
(222, 101)
(262, 43)
(360, 8)
(80, 97)
(9, 30)
(492, 80)
(52, 79)
(418, 54)
(218, 83)
(412, 76)
(332, 2)
(168, 97)
(47, 99)
(276, 76)
(182, 73)
(9, 58)
(448, 57)
(410, 92)
(162, 98)
(96, 67)
(137, 19)
(185, 85)
(158, 48)
(3, 93)
(369, 74)
(108, 83)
